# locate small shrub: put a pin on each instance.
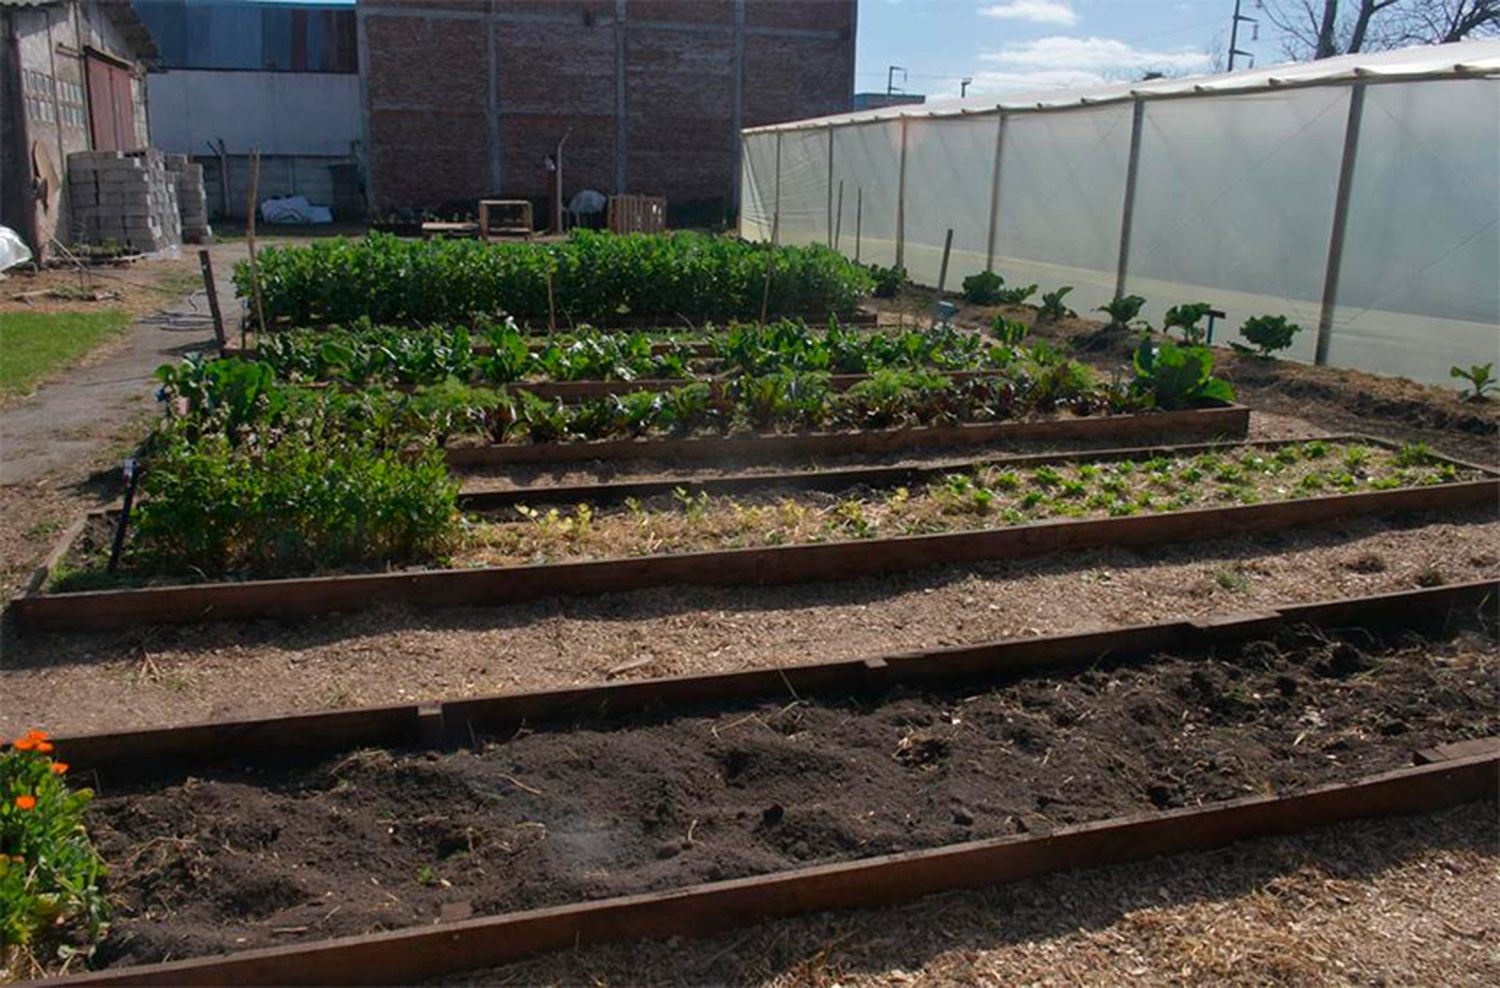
(49, 870)
(983, 288)
(1481, 378)
(1268, 334)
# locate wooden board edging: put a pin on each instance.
(771, 565)
(118, 758)
(1132, 428)
(411, 955)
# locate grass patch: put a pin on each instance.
(35, 344)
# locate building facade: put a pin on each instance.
(281, 78)
(72, 78)
(469, 98)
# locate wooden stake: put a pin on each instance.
(206, 265)
(838, 217)
(859, 209)
(260, 311)
(943, 271)
(765, 295)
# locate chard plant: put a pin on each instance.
(1123, 310)
(1052, 308)
(1185, 319)
(1480, 381)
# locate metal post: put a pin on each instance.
(989, 246)
(859, 209)
(776, 202)
(1127, 214)
(943, 271)
(901, 203)
(828, 229)
(838, 217)
(1340, 222)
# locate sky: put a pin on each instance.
(1010, 45)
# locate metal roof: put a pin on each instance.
(121, 13)
(1463, 58)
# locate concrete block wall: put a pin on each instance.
(128, 197)
(192, 200)
(466, 98)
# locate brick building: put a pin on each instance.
(72, 78)
(465, 98)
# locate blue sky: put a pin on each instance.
(1042, 44)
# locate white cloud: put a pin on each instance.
(1102, 55)
(1036, 11)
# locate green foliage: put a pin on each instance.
(1122, 310)
(1169, 376)
(34, 345)
(49, 870)
(887, 282)
(1011, 332)
(1052, 308)
(983, 288)
(1480, 378)
(593, 276)
(1185, 319)
(1268, 334)
(302, 504)
(1015, 296)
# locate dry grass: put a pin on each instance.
(1405, 901)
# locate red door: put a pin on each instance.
(111, 110)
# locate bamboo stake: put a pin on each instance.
(260, 311)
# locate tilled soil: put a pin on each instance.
(381, 840)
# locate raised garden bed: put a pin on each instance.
(807, 788)
(1225, 421)
(851, 552)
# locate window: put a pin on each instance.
(70, 109)
(37, 90)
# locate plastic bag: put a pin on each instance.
(13, 249)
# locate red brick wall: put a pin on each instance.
(428, 69)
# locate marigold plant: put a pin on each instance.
(49, 870)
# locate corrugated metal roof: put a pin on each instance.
(1463, 58)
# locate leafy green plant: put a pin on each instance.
(1052, 308)
(1170, 376)
(983, 288)
(1011, 332)
(888, 282)
(1480, 378)
(49, 870)
(1015, 296)
(1267, 334)
(1122, 310)
(1185, 319)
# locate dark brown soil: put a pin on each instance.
(381, 840)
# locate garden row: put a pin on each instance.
(590, 276)
(258, 531)
(737, 797)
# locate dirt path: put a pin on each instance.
(69, 421)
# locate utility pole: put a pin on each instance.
(890, 79)
(963, 86)
(1234, 35)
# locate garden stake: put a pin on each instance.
(206, 265)
(838, 217)
(132, 477)
(260, 312)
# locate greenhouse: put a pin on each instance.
(1358, 195)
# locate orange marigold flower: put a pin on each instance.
(38, 735)
(24, 744)
(25, 802)
(44, 746)
(58, 768)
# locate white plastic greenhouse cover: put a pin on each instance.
(1238, 181)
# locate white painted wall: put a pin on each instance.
(287, 113)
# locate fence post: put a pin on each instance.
(828, 228)
(989, 246)
(776, 203)
(1127, 214)
(1340, 223)
(859, 211)
(838, 217)
(943, 271)
(901, 202)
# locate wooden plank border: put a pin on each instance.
(774, 565)
(1134, 428)
(411, 955)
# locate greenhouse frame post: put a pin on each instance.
(1127, 213)
(901, 202)
(1340, 222)
(989, 243)
(828, 229)
(776, 202)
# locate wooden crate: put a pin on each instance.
(637, 214)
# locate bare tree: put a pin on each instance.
(1324, 28)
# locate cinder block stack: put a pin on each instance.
(129, 197)
(192, 200)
